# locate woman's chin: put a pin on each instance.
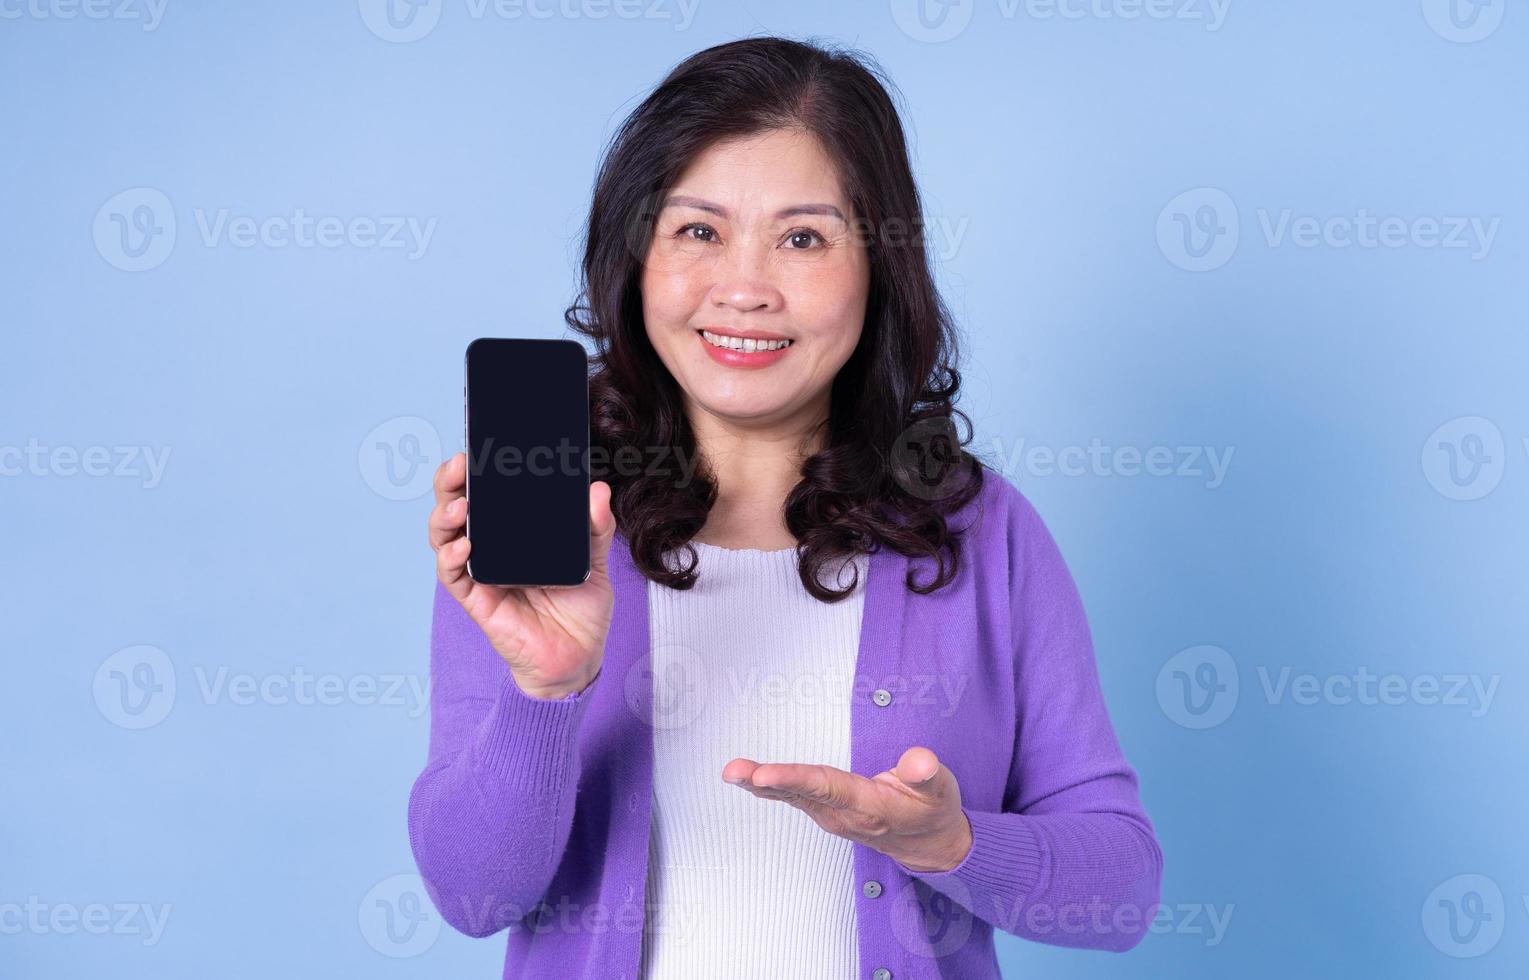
(740, 408)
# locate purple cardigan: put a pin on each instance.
(533, 815)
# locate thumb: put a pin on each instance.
(919, 769)
(602, 524)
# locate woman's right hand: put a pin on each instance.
(552, 639)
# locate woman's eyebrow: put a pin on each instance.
(686, 201)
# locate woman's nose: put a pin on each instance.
(745, 282)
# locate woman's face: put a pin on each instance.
(754, 241)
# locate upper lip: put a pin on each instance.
(745, 334)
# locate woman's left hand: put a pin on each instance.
(911, 813)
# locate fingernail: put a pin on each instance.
(737, 780)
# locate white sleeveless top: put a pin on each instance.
(748, 664)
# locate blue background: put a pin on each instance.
(1336, 541)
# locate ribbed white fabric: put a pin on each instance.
(748, 664)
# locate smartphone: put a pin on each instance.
(526, 434)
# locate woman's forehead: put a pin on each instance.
(769, 175)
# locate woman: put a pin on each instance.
(827, 704)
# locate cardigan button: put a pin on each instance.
(883, 697)
(872, 889)
(882, 973)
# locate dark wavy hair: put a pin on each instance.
(892, 404)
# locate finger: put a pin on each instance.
(917, 768)
(823, 784)
(920, 774)
(602, 526)
(769, 793)
(478, 599)
(447, 521)
(451, 568)
(450, 478)
(773, 794)
(738, 772)
(852, 825)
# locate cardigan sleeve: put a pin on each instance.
(1072, 860)
(490, 815)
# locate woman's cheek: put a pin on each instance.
(668, 261)
(668, 291)
(831, 302)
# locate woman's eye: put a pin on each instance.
(803, 239)
(697, 233)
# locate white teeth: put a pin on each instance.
(741, 344)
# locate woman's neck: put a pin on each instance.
(755, 469)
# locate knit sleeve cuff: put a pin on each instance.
(530, 743)
(1001, 870)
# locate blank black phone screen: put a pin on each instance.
(527, 444)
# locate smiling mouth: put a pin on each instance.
(742, 344)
